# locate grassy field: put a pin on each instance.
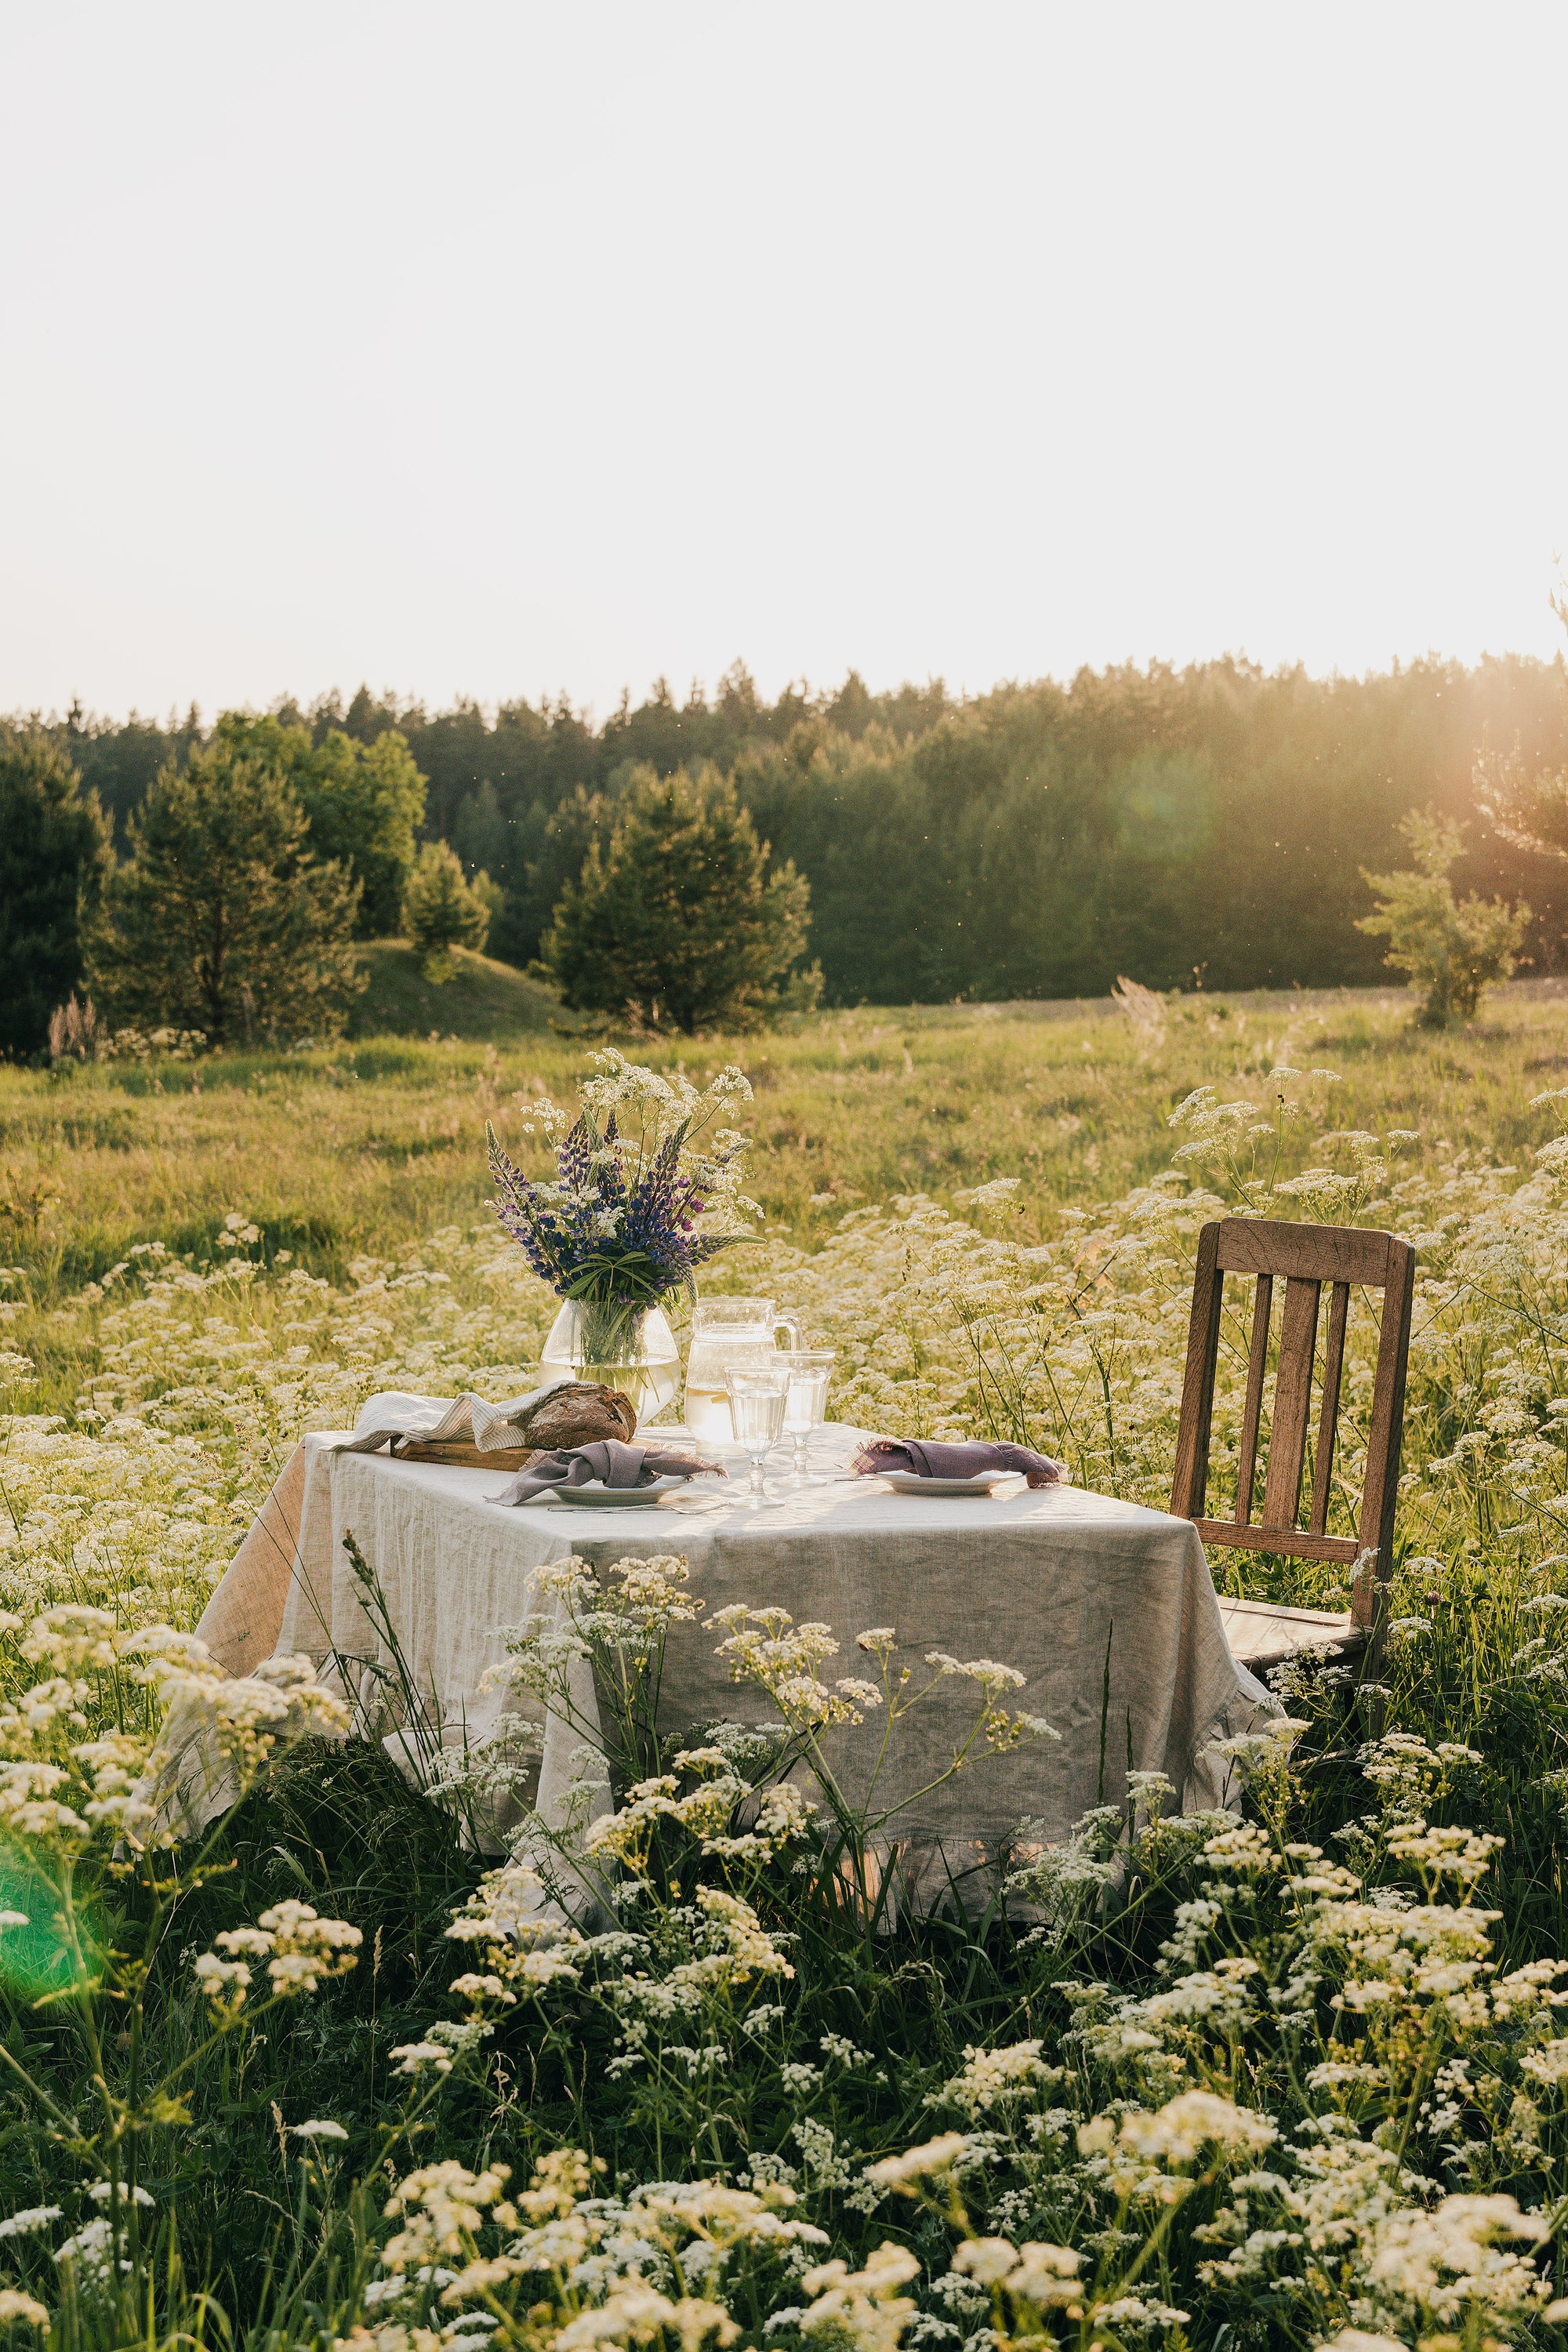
(478, 999)
(374, 1142)
(1232, 2083)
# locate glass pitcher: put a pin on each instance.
(728, 1334)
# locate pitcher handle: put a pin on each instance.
(786, 1323)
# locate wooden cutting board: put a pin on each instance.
(464, 1456)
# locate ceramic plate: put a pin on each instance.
(910, 1482)
(596, 1498)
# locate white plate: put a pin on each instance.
(910, 1482)
(595, 1496)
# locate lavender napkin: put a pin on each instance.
(964, 1458)
(609, 1459)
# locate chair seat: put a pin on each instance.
(1261, 1633)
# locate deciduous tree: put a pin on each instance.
(1451, 949)
(364, 802)
(1526, 804)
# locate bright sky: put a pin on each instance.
(501, 349)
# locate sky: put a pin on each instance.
(507, 349)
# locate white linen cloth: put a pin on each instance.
(1065, 1585)
(438, 1421)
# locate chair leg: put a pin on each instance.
(1373, 1704)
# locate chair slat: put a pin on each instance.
(1246, 1468)
(1291, 1543)
(1329, 1417)
(1292, 1398)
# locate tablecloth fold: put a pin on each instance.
(443, 1420)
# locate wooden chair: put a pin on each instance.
(1305, 1258)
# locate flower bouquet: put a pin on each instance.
(647, 1189)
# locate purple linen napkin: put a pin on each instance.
(964, 1458)
(609, 1459)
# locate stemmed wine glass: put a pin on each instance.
(805, 1399)
(756, 1416)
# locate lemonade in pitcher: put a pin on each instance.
(728, 1334)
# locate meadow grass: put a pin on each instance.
(1221, 2075)
(477, 998)
(374, 1143)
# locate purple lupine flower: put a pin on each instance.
(654, 1249)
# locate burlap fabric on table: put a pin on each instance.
(1064, 1585)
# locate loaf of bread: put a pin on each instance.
(577, 1413)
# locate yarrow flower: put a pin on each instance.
(301, 1950)
(33, 2217)
(990, 2076)
(916, 2163)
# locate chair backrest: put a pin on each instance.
(1305, 1257)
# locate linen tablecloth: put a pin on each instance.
(1071, 1587)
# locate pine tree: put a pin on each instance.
(222, 920)
(441, 911)
(678, 916)
(54, 853)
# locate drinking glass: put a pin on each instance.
(728, 1334)
(806, 1400)
(756, 1416)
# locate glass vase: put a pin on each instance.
(626, 1347)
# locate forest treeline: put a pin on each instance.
(1209, 823)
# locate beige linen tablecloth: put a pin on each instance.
(1049, 1581)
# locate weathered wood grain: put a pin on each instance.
(1304, 1257)
(1256, 1365)
(1261, 1636)
(1292, 1400)
(1329, 1411)
(1294, 1543)
(1310, 1253)
(1189, 1488)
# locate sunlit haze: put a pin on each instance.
(499, 350)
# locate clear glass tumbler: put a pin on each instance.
(756, 1416)
(806, 1400)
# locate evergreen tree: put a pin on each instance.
(481, 835)
(678, 914)
(441, 911)
(222, 920)
(54, 853)
(556, 846)
(1036, 841)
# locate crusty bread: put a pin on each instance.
(579, 1412)
(575, 1414)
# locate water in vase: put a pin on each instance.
(636, 1354)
